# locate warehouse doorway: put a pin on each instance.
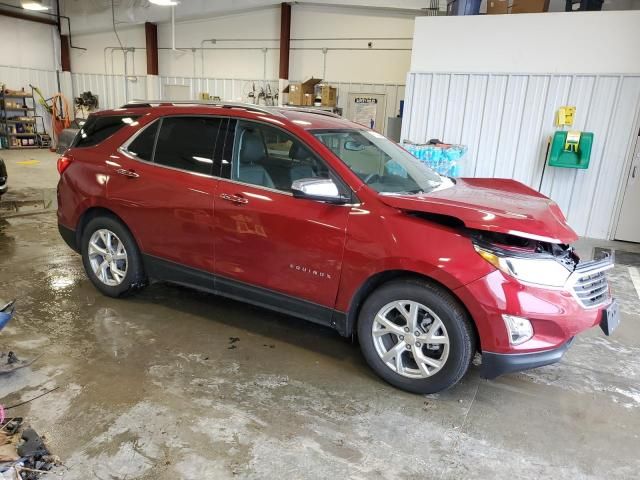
(629, 222)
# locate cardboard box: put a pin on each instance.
(297, 91)
(329, 96)
(529, 6)
(497, 7)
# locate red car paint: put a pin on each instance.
(325, 253)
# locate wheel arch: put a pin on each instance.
(94, 212)
(381, 278)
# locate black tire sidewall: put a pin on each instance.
(454, 318)
(135, 273)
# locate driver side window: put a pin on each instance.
(269, 157)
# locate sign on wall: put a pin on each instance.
(367, 109)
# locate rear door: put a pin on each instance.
(162, 187)
(272, 248)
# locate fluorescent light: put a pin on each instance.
(164, 3)
(34, 5)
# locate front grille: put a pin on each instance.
(590, 286)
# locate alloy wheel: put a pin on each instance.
(108, 257)
(410, 339)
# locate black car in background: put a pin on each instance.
(3, 177)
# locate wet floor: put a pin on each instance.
(175, 384)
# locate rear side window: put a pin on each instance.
(99, 128)
(142, 145)
(187, 143)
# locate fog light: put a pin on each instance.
(519, 329)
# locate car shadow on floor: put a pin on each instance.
(253, 319)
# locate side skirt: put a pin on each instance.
(167, 271)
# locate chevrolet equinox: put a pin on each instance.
(314, 216)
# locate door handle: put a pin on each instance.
(234, 198)
(127, 173)
(633, 173)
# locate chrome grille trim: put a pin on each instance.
(588, 283)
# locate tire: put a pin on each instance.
(123, 274)
(430, 362)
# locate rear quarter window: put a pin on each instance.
(99, 128)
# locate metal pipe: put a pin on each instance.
(124, 52)
(173, 27)
(202, 53)
(202, 49)
(264, 67)
(336, 39)
(324, 62)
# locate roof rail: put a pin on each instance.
(167, 103)
(326, 113)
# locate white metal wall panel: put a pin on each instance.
(490, 128)
(618, 145)
(237, 89)
(226, 88)
(505, 120)
(472, 121)
(110, 89)
(531, 145)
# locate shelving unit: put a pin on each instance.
(18, 121)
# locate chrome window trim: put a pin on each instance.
(123, 149)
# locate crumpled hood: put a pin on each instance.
(493, 204)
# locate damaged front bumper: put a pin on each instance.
(496, 364)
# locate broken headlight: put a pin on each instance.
(537, 270)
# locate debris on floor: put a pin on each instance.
(9, 362)
(6, 313)
(23, 453)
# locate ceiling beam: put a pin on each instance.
(25, 16)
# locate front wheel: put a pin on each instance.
(111, 257)
(416, 336)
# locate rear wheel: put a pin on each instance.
(416, 336)
(111, 258)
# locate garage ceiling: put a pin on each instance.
(95, 15)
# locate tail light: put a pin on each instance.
(63, 164)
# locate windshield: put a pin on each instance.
(381, 163)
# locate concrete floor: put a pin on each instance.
(30, 172)
(157, 387)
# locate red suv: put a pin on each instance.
(314, 216)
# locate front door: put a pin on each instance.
(162, 185)
(629, 222)
(269, 245)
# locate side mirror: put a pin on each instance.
(318, 189)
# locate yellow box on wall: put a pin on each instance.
(564, 117)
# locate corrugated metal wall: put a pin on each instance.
(236, 90)
(506, 119)
(110, 89)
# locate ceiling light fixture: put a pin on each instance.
(35, 5)
(165, 3)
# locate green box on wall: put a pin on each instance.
(569, 153)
